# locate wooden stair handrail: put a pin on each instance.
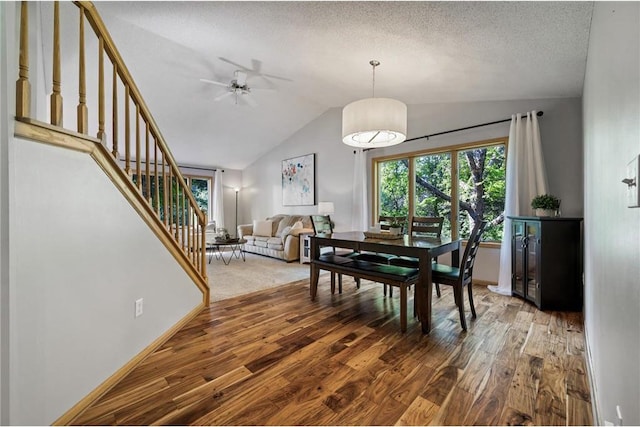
(177, 212)
(109, 47)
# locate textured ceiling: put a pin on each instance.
(315, 55)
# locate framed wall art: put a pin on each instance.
(299, 181)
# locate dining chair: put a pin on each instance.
(322, 224)
(421, 226)
(459, 277)
(386, 221)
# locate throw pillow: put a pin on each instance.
(286, 221)
(285, 233)
(262, 228)
(297, 225)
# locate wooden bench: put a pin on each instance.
(401, 277)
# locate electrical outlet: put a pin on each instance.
(139, 309)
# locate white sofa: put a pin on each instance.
(278, 239)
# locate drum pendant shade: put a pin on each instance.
(374, 122)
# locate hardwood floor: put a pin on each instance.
(277, 358)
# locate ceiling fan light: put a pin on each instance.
(374, 122)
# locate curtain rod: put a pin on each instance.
(122, 159)
(203, 169)
(539, 114)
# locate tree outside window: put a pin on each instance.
(476, 173)
(394, 188)
(481, 190)
(200, 190)
(433, 188)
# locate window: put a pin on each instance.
(393, 188)
(473, 174)
(433, 188)
(200, 188)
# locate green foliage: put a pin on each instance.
(200, 190)
(481, 188)
(394, 188)
(179, 201)
(545, 201)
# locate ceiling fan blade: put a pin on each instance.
(228, 61)
(271, 76)
(213, 82)
(224, 95)
(257, 65)
(241, 78)
(249, 100)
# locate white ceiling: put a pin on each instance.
(319, 53)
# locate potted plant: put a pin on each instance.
(395, 227)
(546, 205)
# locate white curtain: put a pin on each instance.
(218, 205)
(526, 178)
(359, 221)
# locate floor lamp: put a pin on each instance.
(237, 190)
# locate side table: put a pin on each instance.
(305, 248)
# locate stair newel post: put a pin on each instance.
(23, 87)
(139, 178)
(147, 165)
(115, 111)
(101, 133)
(127, 131)
(203, 261)
(82, 110)
(56, 96)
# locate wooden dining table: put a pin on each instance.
(422, 248)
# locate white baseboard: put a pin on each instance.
(592, 384)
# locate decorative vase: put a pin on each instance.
(395, 230)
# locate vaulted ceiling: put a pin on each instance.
(303, 58)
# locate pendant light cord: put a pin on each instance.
(374, 64)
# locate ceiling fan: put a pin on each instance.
(237, 86)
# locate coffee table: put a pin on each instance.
(235, 245)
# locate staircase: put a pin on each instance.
(127, 143)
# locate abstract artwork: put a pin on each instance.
(298, 181)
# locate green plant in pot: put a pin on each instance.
(395, 227)
(546, 205)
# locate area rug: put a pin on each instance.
(257, 272)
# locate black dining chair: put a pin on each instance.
(421, 226)
(322, 224)
(459, 277)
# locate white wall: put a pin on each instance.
(560, 129)
(612, 231)
(7, 63)
(81, 257)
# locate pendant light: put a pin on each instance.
(374, 122)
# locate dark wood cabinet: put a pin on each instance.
(546, 261)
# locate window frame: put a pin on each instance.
(453, 151)
(209, 180)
